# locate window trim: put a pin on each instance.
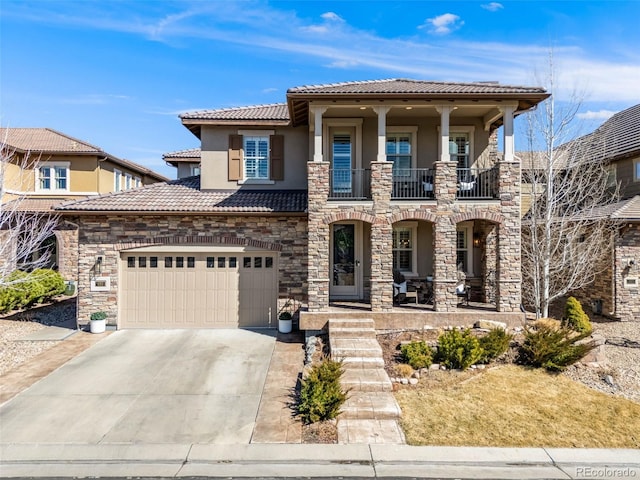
(52, 179)
(117, 180)
(413, 228)
(256, 181)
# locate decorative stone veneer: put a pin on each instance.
(500, 225)
(627, 301)
(106, 236)
(67, 238)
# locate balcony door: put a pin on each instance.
(342, 160)
(346, 252)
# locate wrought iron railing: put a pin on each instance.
(352, 184)
(477, 183)
(413, 183)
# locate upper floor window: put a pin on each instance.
(636, 170)
(401, 149)
(127, 181)
(256, 157)
(117, 180)
(459, 149)
(138, 181)
(195, 170)
(53, 177)
(612, 175)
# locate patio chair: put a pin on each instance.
(399, 287)
(463, 291)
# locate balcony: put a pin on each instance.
(349, 184)
(477, 184)
(413, 184)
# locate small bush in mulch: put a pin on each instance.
(417, 354)
(494, 344)
(458, 349)
(552, 348)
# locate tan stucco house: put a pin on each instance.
(43, 168)
(319, 200)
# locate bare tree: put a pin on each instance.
(566, 235)
(23, 230)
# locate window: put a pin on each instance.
(246, 262)
(233, 262)
(401, 149)
(138, 181)
(404, 248)
(142, 262)
(127, 181)
(195, 170)
(612, 176)
(131, 262)
(117, 180)
(53, 177)
(256, 157)
(464, 236)
(211, 262)
(168, 262)
(221, 262)
(257, 262)
(268, 262)
(179, 262)
(459, 149)
(191, 262)
(153, 262)
(636, 171)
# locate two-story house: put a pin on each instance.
(43, 168)
(616, 293)
(320, 199)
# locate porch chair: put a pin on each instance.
(463, 291)
(399, 287)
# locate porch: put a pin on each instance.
(410, 316)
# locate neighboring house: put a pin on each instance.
(617, 141)
(187, 162)
(44, 168)
(319, 200)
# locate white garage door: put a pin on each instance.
(198, 289)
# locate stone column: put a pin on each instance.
(444, 238)
(509, 274)
(319, 236)
(381, 238)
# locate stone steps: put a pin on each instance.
(371, 412)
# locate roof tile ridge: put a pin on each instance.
(229, 109)
(52, 130)
(342, 84)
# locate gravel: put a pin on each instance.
(622, 354)
(15, 326)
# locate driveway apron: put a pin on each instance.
(148, 386)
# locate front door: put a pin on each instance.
(346, 271)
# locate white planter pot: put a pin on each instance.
(98, 326)
(285, 326)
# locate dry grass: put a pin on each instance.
(510, 406)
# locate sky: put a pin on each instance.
(117, 74)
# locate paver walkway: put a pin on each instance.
(275, 422)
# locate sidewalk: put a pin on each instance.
(309, 461)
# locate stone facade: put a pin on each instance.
(497, 221)
(627, 266)
(106, 236)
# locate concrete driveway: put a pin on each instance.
(148, 386)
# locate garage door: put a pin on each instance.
(198, 289)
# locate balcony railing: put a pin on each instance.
(477, 183)
(413, 183)
(352, 184)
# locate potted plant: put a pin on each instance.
(285, 322)
(98, 322)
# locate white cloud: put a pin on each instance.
(332, 17)
(443, 24)
(492, 6)
(599, 115)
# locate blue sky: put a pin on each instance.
(118, 73)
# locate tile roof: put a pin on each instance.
(408, 86)
(190, 153)
(44, 140)
(618, 137)
(274, 112)
(36, 205)
(184, 195)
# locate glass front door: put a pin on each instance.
(345, 271)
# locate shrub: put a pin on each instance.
(98, 316)
(403, 370)
(575, 318)
(458, 349)
(494, 344)
(417, 354)
(552, 348)
(321, 394)
(51, 280)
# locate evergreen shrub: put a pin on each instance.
(494, 344)
(458, 349)
(575, 318)
(321, 394)
(552, 348)
(417, 354)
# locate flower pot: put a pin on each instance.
(97, 326)
(285, 325)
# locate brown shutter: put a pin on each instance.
(235, 157)
(277, 157)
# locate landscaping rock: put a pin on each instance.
(434, 366)
(490, 324)
(413, 381)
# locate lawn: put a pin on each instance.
(513, 406)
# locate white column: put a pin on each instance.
(317, 113)
(509, 144)
(444, 133)
(382, 132)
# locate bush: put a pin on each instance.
(403, 370)
(321, 394)
(51, 280)
(458, 349)
(575, 318)
(417, 354)
(494, 344)
(552, 348)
